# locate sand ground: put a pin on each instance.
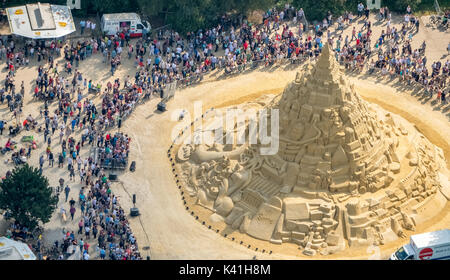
(164, 225)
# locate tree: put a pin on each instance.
(190, 15)
(400, 5)
(317, 10)
(111, 6)
(153, 8)
(27, 197)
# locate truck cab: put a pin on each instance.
(143, 25)
(138, 28)
(425, 246)
(403, 253)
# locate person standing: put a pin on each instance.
(87, 231)
(29, 151)
(41, 161)
(67, 191)
(93, 25)
(88, 25)
(81, 243)
(82, 207)
(60, 161)
(51, 160)
(61, 185)
(94, 231)
(69, 162)
(367, 12)
(360, 9)
(408, 10)
(72, 211)
(80, 226)
(46, 133)
(2, 124)
(82, 26)
(72, 202)
(86, 246)
(102, 253)
(72, 173)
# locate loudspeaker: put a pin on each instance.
(112, 177)
(134, 198)
(134, 212)
(161, 106)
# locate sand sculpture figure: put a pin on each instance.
(346, 173)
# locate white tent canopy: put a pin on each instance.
(40, 21)
(14, 250)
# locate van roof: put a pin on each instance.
(121, 16)
(430, 239)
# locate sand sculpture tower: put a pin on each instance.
(329, 133)
(346, 172)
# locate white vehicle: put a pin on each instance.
(113, 23)
(426, 246)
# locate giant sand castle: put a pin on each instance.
(347, 173)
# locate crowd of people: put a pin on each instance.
(114, 150)
(169, 57)
(102, 220)
(392, 54)
(100, 210)
(283, 36)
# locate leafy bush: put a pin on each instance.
(27, 197)
(399, 6)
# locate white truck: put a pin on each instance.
(426, 246)
(113, 23)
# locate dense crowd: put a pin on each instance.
(393, 55)
(281, 35)
(101, 213)
(114, 150)
(102, 220)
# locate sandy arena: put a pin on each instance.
(165, 229)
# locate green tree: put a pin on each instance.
(154, 7)
(111, 6)
(400, 5)
(27, 197)
(190, 15)
(317, 10)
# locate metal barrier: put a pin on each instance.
(112, 163)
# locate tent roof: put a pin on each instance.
(14, 250)
(40, 21)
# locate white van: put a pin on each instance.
(113, 23)
(426, 246)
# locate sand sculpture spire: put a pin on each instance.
(326, 59)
